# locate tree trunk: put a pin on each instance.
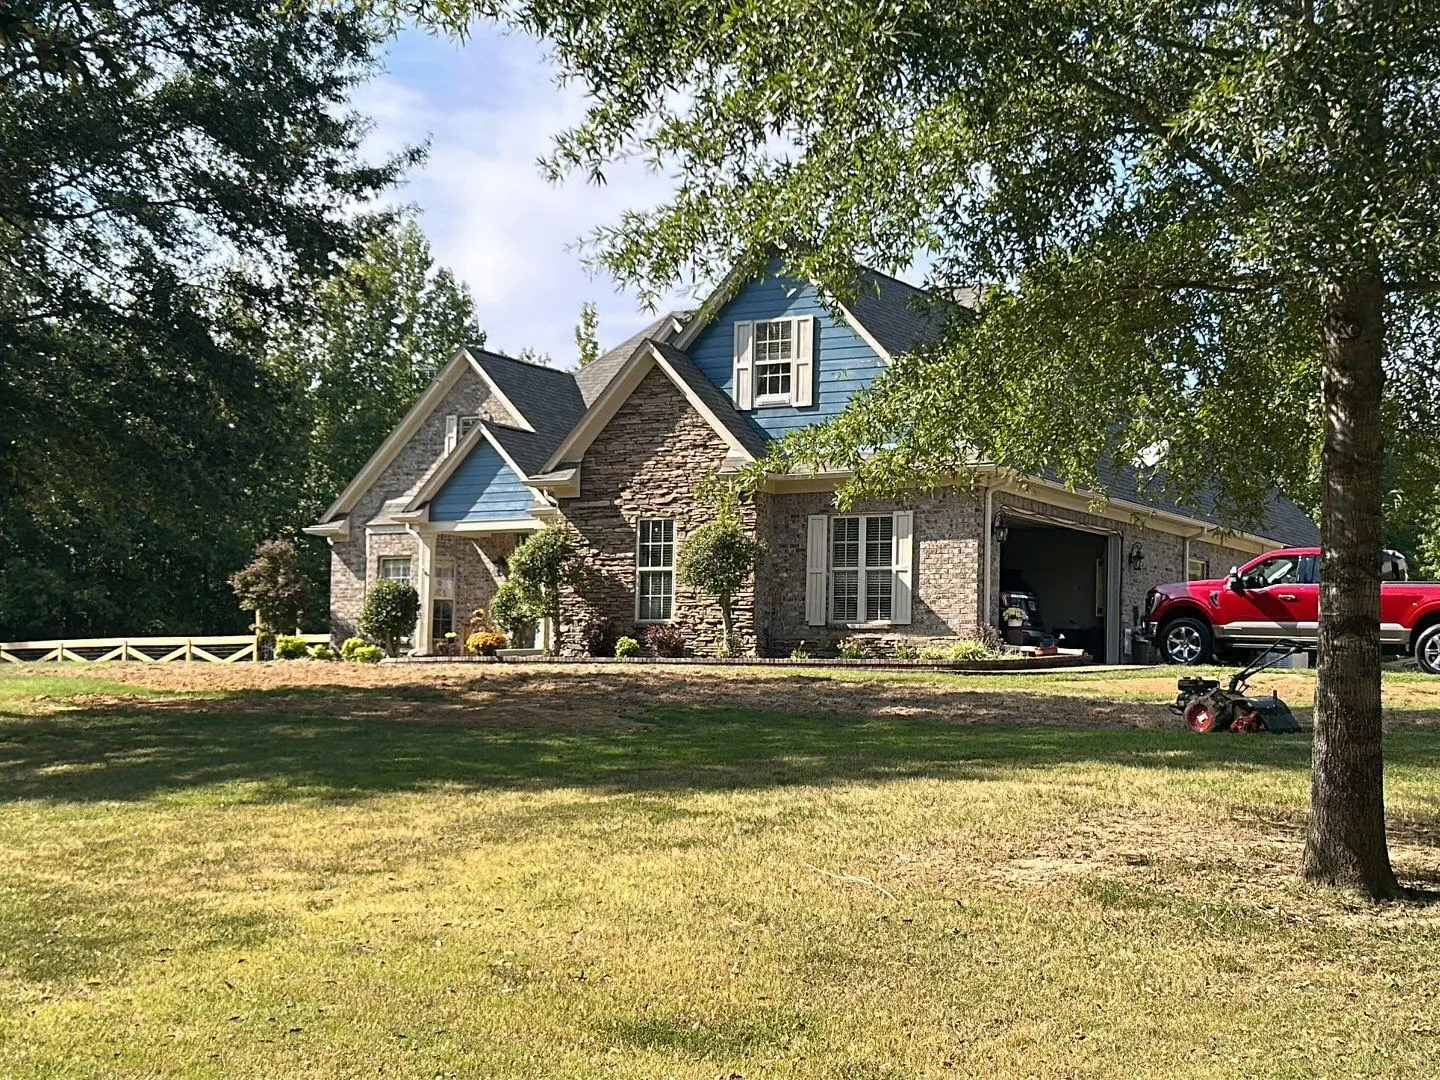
(725, 624)
(1345, 839)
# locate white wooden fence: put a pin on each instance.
(215, 648)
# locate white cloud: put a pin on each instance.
(490, 110)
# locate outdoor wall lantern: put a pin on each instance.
(1137, 557)
(1000, 530)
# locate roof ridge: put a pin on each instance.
(519, 360)
(893, 279)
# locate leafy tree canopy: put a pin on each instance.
(1206, 231)
(540, 568)
(274, 586)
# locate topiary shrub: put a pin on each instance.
(389, 612)
(322, 652)
(665, 640)
(289, 647)
(540, 568)
(717, 558)
(347, 649)
(368, 654)
(627, 647)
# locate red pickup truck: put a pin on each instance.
(1277, 596)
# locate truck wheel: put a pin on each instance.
(1186, 641)
(1427, 649)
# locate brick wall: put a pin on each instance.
(352, 562)
(647, 462)
(947, 561)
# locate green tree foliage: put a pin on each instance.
(389, 612)
(717, 559)
(166, 170)
(540, 568)
(1213, 227)
(587, 334)
(512, 611)
(366, 346)
(274, 587)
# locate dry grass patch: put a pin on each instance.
(318, 870)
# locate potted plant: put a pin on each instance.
(1014, 620)
(450, 643)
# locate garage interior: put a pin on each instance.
(1066, 571)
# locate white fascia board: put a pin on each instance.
(436, 479)
(508, 525)
(698, 404)
(863, 333)
(515, 413)
(616, 391)
(718, 298)
(330, 530)
(396, 440)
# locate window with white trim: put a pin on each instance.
(654, 570)
(862, 568)
(1198, 569)
(395, 569)
(466, 424)
(774, 361)
(442, 601)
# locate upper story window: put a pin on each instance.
(655, 570)
(466, 423)
(774, 363)
(456, 428)
(395, 569)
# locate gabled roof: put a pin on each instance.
(717, 402)
(596, 375)
(545, 400)
(895, 315)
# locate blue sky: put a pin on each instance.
(490, 109)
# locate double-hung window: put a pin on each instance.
(395, 569)
(655, 570)
(774, 361)
(862, 569)
(465, 426)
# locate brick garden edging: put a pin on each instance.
(977, 667)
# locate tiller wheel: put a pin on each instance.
(1202, 716)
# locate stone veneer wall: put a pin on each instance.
(946, 572)
(353, 561)
(648, 462)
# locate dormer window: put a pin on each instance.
(466, 423)
(774, 363)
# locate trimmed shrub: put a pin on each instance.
(665, 640)
(718, 558)
(540, 568)
(389, 612)
(512, 612)
(627, 647)
(599, 637)
(289, 647)
(347, 649)
(368, 654)
(322, 652)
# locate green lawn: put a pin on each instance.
(424, 880)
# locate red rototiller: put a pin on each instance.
(1205, 707)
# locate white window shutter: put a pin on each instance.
(815, 545)
(452, 431)
(744, 370)
(803, 379)
(904, 567)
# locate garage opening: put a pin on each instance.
(1061, 579)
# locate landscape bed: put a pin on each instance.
(524, 870)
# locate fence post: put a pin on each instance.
(124, 651)
(60, 651)
(255, 656)
(189, 650)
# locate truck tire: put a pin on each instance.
(1187, 641)
(1427, 649)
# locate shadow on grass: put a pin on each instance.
(343, 743)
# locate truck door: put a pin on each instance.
(1264, 609)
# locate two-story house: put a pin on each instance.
(497, 448)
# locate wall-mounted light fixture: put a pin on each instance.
(999, 530)
(1137, 557)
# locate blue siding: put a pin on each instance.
(845, 364)
(482, 488)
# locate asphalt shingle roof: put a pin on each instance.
(898, 316)
(547, 398)
(596, 375)
(737, 423)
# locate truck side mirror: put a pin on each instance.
(1236, 582)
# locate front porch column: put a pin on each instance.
(423, 645)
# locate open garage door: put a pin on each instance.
(1068, 581)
